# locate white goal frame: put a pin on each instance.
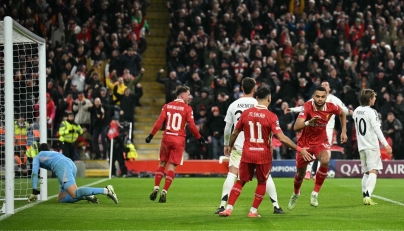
(13, 34)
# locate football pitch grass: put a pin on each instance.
(191, 203)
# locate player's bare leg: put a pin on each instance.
(298, 180)
(369, 187)
(227, 185)
(324, 161)
(169, 179)
(158, 176)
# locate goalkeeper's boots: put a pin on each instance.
(278, 210)
(226, 213)
(220, 209)
(153, 194)
(368, 201)
(251, 214)
(293, 201)
(313, 201)
(111, 194)
(163, 196)
(308, 175)
(92, 199)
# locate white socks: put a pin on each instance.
(371, 183)
(309, 166)
(227, 186)
(271, 190)
(364, 180)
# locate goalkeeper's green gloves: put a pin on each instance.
(34, 195)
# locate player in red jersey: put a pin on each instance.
(313, 120)
(259, 125)
(175, 114)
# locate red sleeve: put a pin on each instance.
(160, 120)
(361, 31)
(304, 111)
(191, 123)
(274, 123)
(336, 109)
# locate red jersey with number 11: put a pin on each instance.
(177, 114)
(259, 125)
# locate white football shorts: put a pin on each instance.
(235, 158)
(370, 159)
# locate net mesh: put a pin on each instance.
(26, 120)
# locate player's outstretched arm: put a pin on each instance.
(286, 141)
(293, 109)
(342, 117)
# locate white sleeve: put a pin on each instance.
(380, 135)
(227, 131)
(342, 105)
(296, 109)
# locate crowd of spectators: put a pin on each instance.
(292, 46)
(93, 62)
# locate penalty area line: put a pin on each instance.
(5, 216)
(388, 200)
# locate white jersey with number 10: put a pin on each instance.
(366, 119)
(233, 115)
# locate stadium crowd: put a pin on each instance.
(93, 68)
(292, 46)
(94, 51)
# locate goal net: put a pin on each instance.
(22, 111)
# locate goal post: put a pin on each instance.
(15, 35)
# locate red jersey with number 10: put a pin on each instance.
(317, 134)
(177, 114)
(258, 124)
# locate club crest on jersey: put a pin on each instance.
(326, 116)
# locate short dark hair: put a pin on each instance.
(320, 89)
(43, 147)
(248, 85)
(263, 92)
(366, 95)
(181, 89)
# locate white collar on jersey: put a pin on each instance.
(261, 107)
(315, 108)
(179, 100)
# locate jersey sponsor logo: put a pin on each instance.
(256, 149)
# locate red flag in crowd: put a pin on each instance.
(113, 130)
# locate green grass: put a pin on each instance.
(192, 201)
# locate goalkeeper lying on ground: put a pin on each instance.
(65, 170)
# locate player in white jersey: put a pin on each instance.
(368, 134)
(232, 116)
(331, 123)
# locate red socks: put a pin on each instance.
(320, 177)
(259, 194)
(169, 179)
(297, 184)
(235, 192)
(158, 175)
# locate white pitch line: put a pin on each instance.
(5, 216)
(388, 200)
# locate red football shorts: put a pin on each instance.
(246, 171)
(315, 150)
(172, 152)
